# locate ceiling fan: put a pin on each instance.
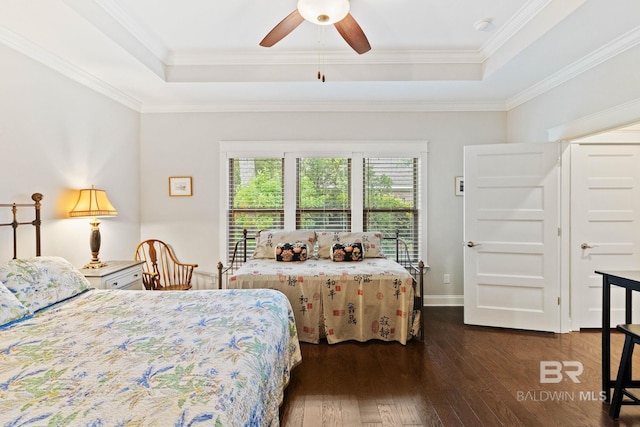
(321, 12)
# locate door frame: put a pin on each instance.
(581, 127)
(573, 322)
(566, 300)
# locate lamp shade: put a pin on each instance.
(93, 202)
(323, 12)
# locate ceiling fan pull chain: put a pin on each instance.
(321, 53)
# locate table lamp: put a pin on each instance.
(93, 203)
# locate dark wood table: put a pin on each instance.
(630, 281)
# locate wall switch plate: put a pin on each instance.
(447, 279)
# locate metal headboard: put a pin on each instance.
(36, 197)
(402, 257)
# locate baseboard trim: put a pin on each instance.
(444, 300)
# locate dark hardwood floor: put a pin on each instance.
(459, 376)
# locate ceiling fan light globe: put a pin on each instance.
(323, 12)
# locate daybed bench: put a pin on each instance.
(372, 297)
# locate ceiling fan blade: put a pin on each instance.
(353, 34)
(285, 26)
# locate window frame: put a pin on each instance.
(231, 211)
(414, 211)
(357, 151)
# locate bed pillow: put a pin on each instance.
(371, 242)
(346, 252)
(267, 240)
(42, 281)
(292, 252)
(11, 310)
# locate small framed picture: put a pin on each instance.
(459, 186)
(180, 186)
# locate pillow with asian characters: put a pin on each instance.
(267, 240)
(292, 252)
(42, 281)
(11, 310)
(346, 252)
(371, 242)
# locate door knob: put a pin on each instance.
(471, 244)
(586, 246)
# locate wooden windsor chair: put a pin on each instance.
(161, 270)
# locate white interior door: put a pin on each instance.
(511, 227)
(605, 225)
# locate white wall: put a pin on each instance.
(57, 136)
(579, 104)
(187, 144)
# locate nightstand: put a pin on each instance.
(116, 275)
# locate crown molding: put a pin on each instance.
(318, 106)
(175, 58)
(506, 32)
(525, 29)
(617, 136)
(42, 56)
(76, 74)
(612, 118)
(108, 17)
(597, 57)
(459, 58)
(134, 27)
(258, 57)
(263, 57)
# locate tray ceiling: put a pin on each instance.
(203, 55)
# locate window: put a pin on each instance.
(256, 199)
(323, 194)
(326, 189)
(391, 199)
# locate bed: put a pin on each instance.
(70, 354)
(372, 297)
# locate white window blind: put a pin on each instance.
(255, 196)
(316, 191)
(391, 199)
(323, 196)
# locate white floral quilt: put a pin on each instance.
(364, 300)
(125, 358)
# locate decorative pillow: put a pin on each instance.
(371, 242)
(348, 252)
(292, 252)
(267, 240)
(11, 310)
(42, 281)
